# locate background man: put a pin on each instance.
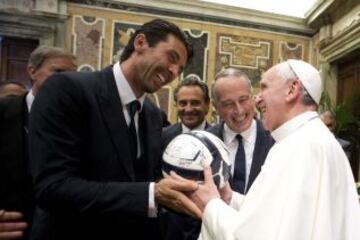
(329, 120)
(192, 101)
(93, 147)
(15, 189)
(305, 189)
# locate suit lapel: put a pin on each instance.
(152, 136)
(110, 105)
(258, 155)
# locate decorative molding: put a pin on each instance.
(34, 25)
(288, 50)
(342, 43)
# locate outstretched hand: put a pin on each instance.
(205, 192)
(171, 192)
(11, 226)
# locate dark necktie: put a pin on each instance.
(133, 107)
(239, 177)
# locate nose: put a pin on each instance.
(175, 70)
(188, 107)
(258, 99)
(238, 108)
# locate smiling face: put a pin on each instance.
(158, 65)
(191, 106)
(271, 101)
(234, 102)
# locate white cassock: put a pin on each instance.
(305, 191)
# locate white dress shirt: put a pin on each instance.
(249, 139)
(185, 129)
(126, 96)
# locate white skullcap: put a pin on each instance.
(309, 77)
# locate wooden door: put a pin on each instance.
(349, 89)
(15, 53)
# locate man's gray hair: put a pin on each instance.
(230, 72)
(285, 72)
(40, 54)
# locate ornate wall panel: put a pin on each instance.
(122, 32)
(88, 35)
(290, 50)
(251, 55)
(198, 65)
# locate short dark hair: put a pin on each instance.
(193, 81)
(155, 31)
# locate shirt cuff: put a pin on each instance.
(152, 212)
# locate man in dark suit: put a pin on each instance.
(92, 148)
(15, 188)
(233, 101)
(329, 120)
(191, 97)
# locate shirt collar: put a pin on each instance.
(125, 92)
(29, 99)
(249, 135)
(185, 129)
(290, 126)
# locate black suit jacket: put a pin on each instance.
(15, 182)
(80, 154)
(263, 143)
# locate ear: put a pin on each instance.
(294, 91)
(140, 42)
(31, 72)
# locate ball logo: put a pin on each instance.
(188, 153)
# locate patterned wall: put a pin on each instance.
(251, 55)
(88, 36)
(98, 36)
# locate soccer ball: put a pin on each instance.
(188, 153)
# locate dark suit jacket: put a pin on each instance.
(346, 146)
(15, 182)
(80, 154)
(263, 143)
(176, 226)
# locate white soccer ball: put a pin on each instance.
(188, 153)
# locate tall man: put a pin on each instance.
(192, 101)
(92, 145)
(15, 189)
(305, 189)
(245, 137)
